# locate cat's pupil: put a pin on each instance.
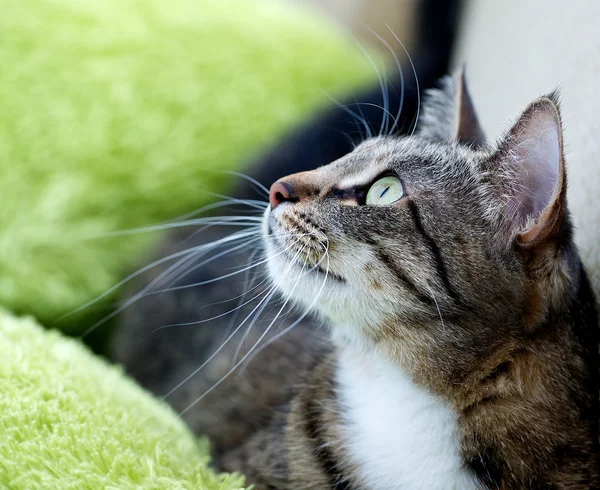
(384, 191)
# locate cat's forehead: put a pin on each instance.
(406, 156)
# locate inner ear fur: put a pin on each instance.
(531, 161)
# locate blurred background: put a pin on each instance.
(382, 16)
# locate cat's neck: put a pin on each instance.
(398, 435)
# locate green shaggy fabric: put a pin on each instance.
(115, 114)
(70, 421)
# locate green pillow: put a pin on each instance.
(72, 422)
(115, 114)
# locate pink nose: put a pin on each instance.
(279, 192)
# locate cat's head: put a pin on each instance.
(434, 242)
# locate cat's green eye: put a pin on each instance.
(386, 190)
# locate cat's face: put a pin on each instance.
(367, 258)
(424, 232)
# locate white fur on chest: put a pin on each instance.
(399, 436)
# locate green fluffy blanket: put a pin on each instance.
(115, 114)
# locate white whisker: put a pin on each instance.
(265, 300)
(247, 288)
(237, 364)
(210, 221)
(438, 308)
(247, 333)
(221, 347)
(400, 72)
(215, 279)
(384, 91)
(249, 179)
(370, 104)
(362, 115)
(261, 205)
(352, 113)
(297, 321)
(246, 268)
(190, 270)
(152, 283)
(137, 273)
(198, 322)
(416, 80)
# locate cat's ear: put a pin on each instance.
(449, 115)
(531, 166)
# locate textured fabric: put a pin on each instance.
(117, 114)
(515, 51)
(70, 421)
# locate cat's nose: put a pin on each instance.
(280, 192)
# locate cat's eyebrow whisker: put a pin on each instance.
(371, 104)
(416, 80)
(352, 113)
(438, 307)
(362, 115)
(400, 72)
(350, 140)
(384, 91)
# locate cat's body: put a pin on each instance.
(358, 422)
(463, 346)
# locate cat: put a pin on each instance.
(461, 340)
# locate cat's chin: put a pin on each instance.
(317, 292)
(296, 279)
(311, 287)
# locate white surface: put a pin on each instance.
(516, 50)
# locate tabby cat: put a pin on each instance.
(461, 344)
